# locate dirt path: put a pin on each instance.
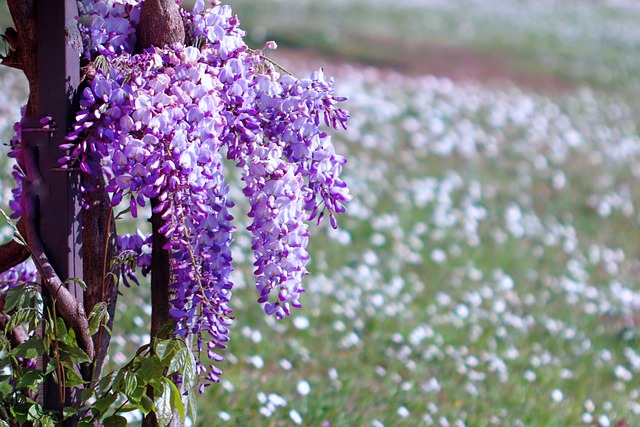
(454, 62)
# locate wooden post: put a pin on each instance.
(58, 76)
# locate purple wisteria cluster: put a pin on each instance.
(156, 124)
(25, 272)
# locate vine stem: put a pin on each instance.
(56, 354)
(271, 61)
(102, 288)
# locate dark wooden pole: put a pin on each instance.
(59, 47)
(58, 64)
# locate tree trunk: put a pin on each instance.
(99, 252)
(160, 25)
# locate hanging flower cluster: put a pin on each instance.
(156, 124)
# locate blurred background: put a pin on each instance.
(487, 271)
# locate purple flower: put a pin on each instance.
(22, 273)
(156, 125)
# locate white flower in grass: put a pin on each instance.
(438, 256)
(265, 411)
(277, 400)
(403, 411)
(295, 417)
(333, 374)
(285, 364)
(623, 373)
(462, 311)
(301, 322)
(556, 395)
(256, 361)
(604, 421)
(303, 388)
(530, 376)
(589, 406)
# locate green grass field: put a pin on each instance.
(487, 272)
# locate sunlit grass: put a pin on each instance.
(485, 274)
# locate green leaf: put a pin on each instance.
(27, 316)
(16, 233)
(99, 315)
(48, 335)
(146, 404)
(85, 424)
(128, 408)
(87, 394)
(165, 348)
(129, 383)
(68, 412)
(51, 367)
(30, 378)
(24, 295)
(15, 298)
(72, 353)
(191, 406)
(164, 410)
(20, 411)
(35, 412)
(103, 404)
(75, 281)
(140, 391)
(115, 421)
(47, 421)
(178, 361)
(176, 400)
(107, 380)
(189, 373)
(61, 330)
(117, 383)
(31, 349)
(73, 379)
(151, 368)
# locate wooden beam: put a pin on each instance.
(56, 191)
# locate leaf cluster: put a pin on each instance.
(160, 378)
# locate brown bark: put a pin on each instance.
(99, 249)
(160, 279)
(160, 24)
(66, 304)
(160, 275)
(24, 45)
(16, 336)
(11, 254)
